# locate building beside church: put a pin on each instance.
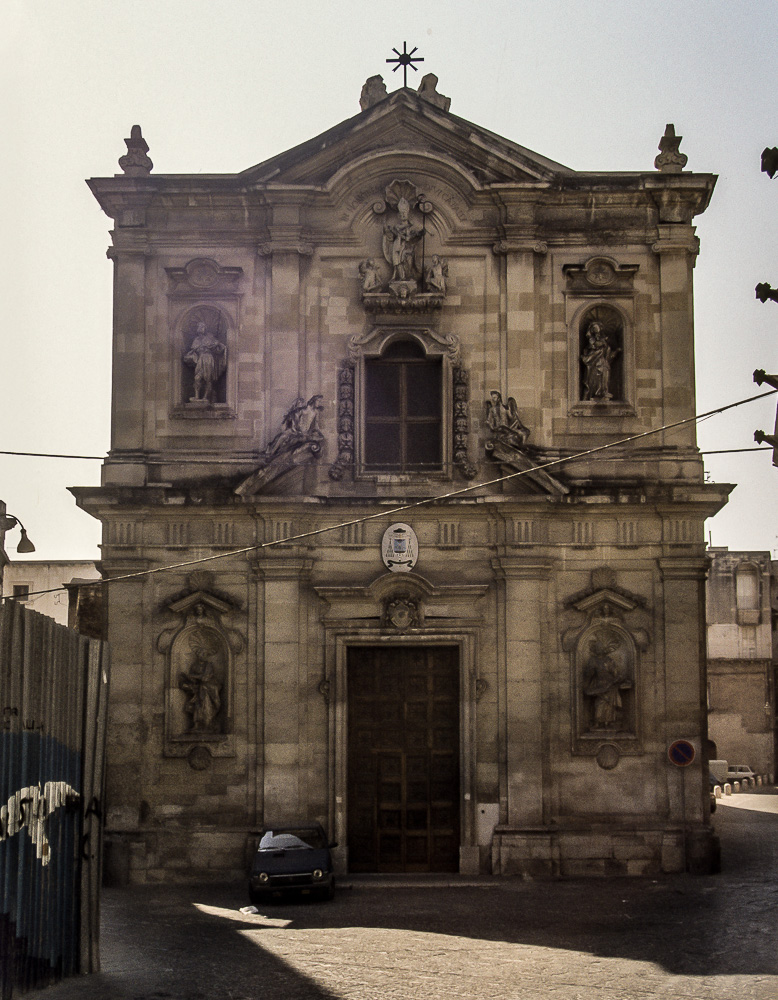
(741, 597)
(376, 380)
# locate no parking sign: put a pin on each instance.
(681, 753)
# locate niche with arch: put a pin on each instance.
(601, 355)
(204, 360)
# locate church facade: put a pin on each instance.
(381, 562)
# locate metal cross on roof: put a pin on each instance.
(405, 59)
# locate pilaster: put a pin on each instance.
(129, 376)
(282, 580)
(683, 592)
(677, 248)
(524, 616)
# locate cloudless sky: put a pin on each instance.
(218, 87)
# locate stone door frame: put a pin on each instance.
(336, 657)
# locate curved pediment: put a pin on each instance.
(407, 122)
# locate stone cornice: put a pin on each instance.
(522, 568)
(285, 245)
(684, 567)
(509, 246)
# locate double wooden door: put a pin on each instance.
(403, 759)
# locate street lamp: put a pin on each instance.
(7, 522)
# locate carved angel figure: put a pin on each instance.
(299, 426)
(208, 355)
(504, 421)
(369, 276)
(436, 275)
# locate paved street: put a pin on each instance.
(676, 938)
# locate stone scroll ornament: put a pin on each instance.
(410, 279)
(299, 441)
(508, 443)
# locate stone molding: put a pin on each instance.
(600, 276)
(300, 247)
(508, 246)
(203, 276)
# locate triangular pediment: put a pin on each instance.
(406, 123)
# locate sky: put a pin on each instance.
(220, 87)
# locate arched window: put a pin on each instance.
(403, 410)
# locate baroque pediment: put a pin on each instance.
(405, 123)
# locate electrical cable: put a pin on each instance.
(413, 504)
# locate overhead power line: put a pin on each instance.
(402, 508)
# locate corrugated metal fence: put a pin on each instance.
(53, 707)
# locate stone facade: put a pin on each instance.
(394, 326)
(741, 662)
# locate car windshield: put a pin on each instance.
(292, 839)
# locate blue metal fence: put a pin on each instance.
(53, 704)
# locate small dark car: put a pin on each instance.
(292, 859)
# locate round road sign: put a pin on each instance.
(681, 753)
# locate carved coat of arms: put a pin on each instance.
(399, 548)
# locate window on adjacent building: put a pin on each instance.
(747, 588)
(21, 592)
(747, 595)
(403, 401)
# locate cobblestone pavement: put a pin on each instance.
(675, 938)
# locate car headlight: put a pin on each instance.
(263, 876)
(318, 873)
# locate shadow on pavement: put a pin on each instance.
(192, 943)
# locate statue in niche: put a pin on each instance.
(597, 358)
(208, 355)
(605, 676)
(399, 244)
(201, 685)
(436, 275)
(369, 276)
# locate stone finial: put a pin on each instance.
(373, 91)
(670, 161)
(135, 163)
(428, 90)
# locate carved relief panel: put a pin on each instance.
(199, 654)
(604, 650)
(411, 277)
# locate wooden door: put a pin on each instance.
(403, 759)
